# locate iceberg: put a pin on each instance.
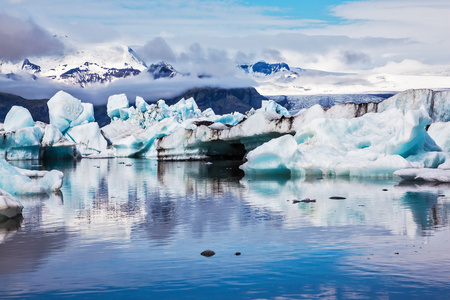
(24, 143)
(87, 116)
(18, 117)
(371, 145)
(140, 104)
(14, 182)
(440, 132)
(436, 104)
(272, 106)
(63, 110)
(424, 174)
(88, 138)
(117, 106)
(9, 206)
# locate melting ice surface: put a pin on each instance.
(135, 228)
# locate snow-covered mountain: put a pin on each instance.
(162, 70)
(94, 64)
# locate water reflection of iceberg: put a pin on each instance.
(9, 227)
(166, 198)
(401, 209)
(29, 240)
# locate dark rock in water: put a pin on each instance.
(237, 253)
(307, 200)
(337, 198)
(208, 253)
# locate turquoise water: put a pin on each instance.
(125, 228)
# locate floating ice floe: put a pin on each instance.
(13, 181)
(10, 206)
(425, 174)
(372, 145)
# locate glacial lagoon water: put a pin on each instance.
(135, 228)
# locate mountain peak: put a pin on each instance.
(162, 70)
(265, 68)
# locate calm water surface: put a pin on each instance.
(124, 228)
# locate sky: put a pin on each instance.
(400, 36)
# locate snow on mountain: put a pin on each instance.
(92, 64)
(162, 70)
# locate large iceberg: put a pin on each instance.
(372, 145)
(436, 104)
(63, 110)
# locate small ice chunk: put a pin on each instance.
(10, 206)
(18, 117)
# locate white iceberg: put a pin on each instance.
(425, 174)
(440, 132)
(88, 138)
(87, 116)
(10, 206)
(436, 104)
(372, 145)
(272, 106)
(63, 110)
(140, 104)
(14, 182)
(18, 117)
(117, 106)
